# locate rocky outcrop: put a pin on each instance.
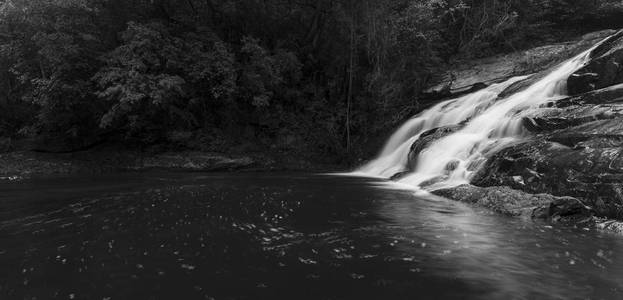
(577, 147)
(605, 68)
(572, 165)
(511, 202)
(576, 151)
(604, 104)
(472, 75)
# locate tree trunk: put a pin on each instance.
(350, 76)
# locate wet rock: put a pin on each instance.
(399, 175)
(605, 96)
(603, 104)
(566, 206)
(512, 202)
(582, 82)
(604, 69)
(452, 165)
(522, 84)
(555, 118)
(582, 165)
(576, 151)
(428, 183)
(426, 139)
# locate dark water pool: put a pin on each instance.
(288, 236)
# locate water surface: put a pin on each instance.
(165, 235)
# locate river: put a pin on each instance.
(173, 235)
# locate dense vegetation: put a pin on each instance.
(306, 76)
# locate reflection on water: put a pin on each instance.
(293, 236)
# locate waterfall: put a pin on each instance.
(489, 123)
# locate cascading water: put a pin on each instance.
(490, 123)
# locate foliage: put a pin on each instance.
(156, 80)
(308, 75)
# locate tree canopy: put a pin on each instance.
(312, 75)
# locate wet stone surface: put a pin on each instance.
(173, 235)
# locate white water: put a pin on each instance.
(490, 123)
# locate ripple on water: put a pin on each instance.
(242, 236)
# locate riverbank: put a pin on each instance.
(19, 165)
(24, 164)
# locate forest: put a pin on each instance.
(312, 77)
